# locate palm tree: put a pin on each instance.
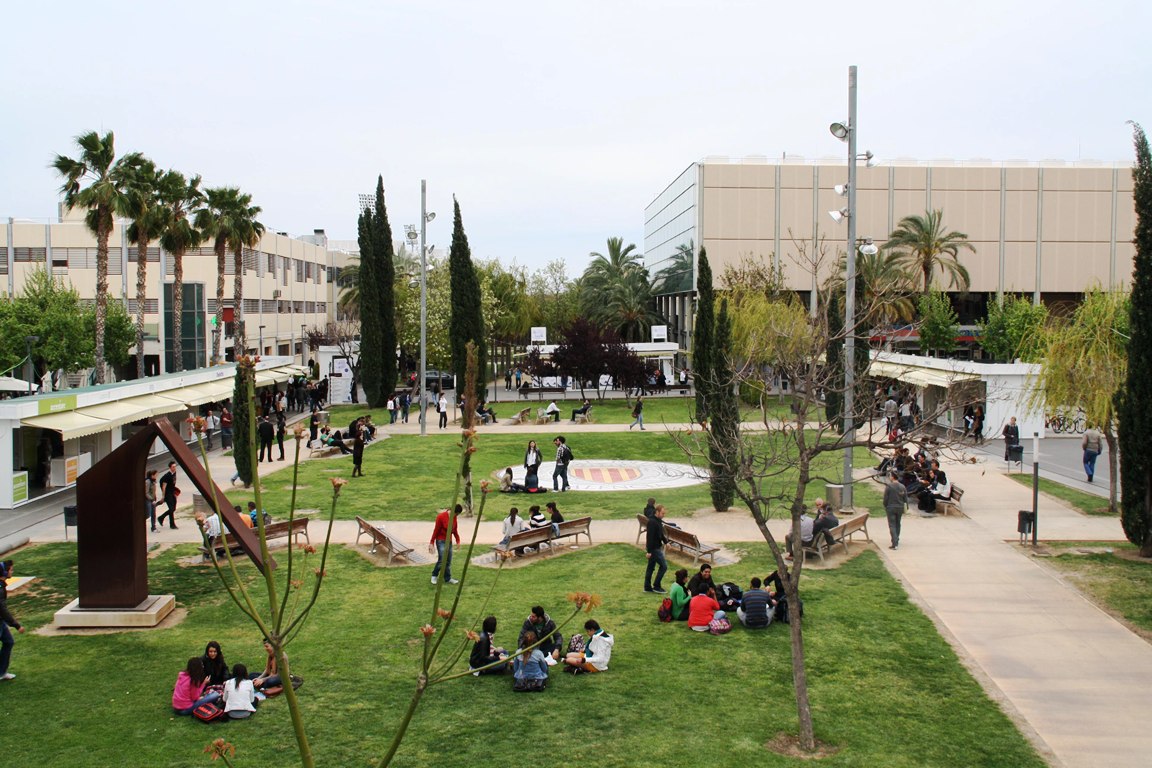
(884, 288)
(606, 272)
(147, 213)
(627, 308)
(181, 198)
(230, 220)
(922, 243)
(104, 198)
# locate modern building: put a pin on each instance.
(289, 286)
(1050, 230)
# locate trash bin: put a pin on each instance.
(834, 495)
(1025, 519)
(1016, 453)
(69, 518)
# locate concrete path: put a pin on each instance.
(1075, 679)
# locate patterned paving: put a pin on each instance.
(621, 475)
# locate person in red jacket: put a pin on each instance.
(441, 546)
(702, 608)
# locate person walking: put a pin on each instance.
(638, 413)
(151, 496)
(1011, 435)
(6, 620)
(169, 491)
(225, 428)
(211, 424)
(267, 434)
(563, 459)
(655, 546)
(1093, 445)
(358, 452)
(281, 430)
(895, 501)
(442, 409)
(440, 544)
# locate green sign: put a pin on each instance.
(57, 404)
(19, 487)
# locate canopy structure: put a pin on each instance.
(921, 376)
(9, 384)
(70, 424)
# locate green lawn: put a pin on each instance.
(1085, 502)
(886, 690)
(399, 486)
(1121, 584)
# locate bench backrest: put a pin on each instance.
(577, 524)
(529, 536)
(956, 494)
(681, 536)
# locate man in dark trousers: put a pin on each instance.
(267, 434)
(281, 429)
(656, 542)
(169, 491)
(563, 459)
(1011, 437)
(895, 500)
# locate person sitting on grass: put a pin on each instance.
(213, 660)
(702, 608)
(239, 694)
(539, 624)
(270, 677)
(506, 484)
(529, 668)
(756, 607)
(597, 650)
(188, 692)
(680, 596)
(485, 654)
(703, 577)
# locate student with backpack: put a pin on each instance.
(563, 459)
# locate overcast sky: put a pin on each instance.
(554, 124)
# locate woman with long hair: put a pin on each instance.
(239, 694)
(532, 458)
(189, 690)
(213, 660)
(529, 668)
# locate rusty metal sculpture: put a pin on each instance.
(112, 543)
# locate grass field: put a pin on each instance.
(886, 690)
(399, 486)
(1085, 502)
(1115, 579)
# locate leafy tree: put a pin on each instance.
(47, 308)
(119, 334)
(922, 245)
(439, 316)
(141, 187)
(938, 323)
(229, 219)
(467, 320)
(1085, 366)
(1014, 330)
(180, 198)
(386, 295)
(628, 309)
(371, 336)
(723, 446)
(556, 298)
(702, 337)
(509, 314)
(1135, 416)
(104, 198)
(244, 419)
(883, 284)
(586, 352)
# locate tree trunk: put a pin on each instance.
(240, 344)
(103, 232)
(218, 332)
(178, 310)
(141, 296)
(1113, 468)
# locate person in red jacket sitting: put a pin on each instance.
(702, 608)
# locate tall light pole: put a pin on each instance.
(28, 342)
(425, 217)
(847, 132)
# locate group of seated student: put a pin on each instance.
(508, 484)
(214, 531)
(539, 646)
(699, 602)
(515, 523)
(207, 679)
(333, 439)
(362, 425)
(813, 527)
(921, 476)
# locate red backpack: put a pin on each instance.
(664, 612)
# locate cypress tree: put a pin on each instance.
(385, 294)
(371, 351)
(834, 356)
(467, 321)
(702, 337)
(243, 420)
(724, 445)
(1135, 417)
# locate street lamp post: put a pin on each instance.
(425, 217)
(28, 342)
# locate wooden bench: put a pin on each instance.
(841, 534)
(642, 519)
(524, 392)
(287, 528)
(585, 417)
(953, 502)
(535, 537)
(381, 538)
(320, 450)
(522, 417)
(543, 418)
(690, 542)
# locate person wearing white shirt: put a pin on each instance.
(239, 694)
(553, 410)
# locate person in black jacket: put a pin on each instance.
(483, 653)
(267, 434)
(1011, 435)
(6, 620)
(169, 491)
(656, 541)
(542, 626)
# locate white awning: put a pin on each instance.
(208, 392)
(115, 414)
(921, 376)
(70, 424)
(272, 376)
(158, 404)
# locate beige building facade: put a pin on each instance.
(289, 286)
(1049, 230)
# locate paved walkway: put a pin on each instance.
(1074, 678)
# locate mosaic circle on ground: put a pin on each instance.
(620, 475)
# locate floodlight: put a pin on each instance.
(841, 189)
(839, 130)
(838, 216)
(869, 248)
(429, 216)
